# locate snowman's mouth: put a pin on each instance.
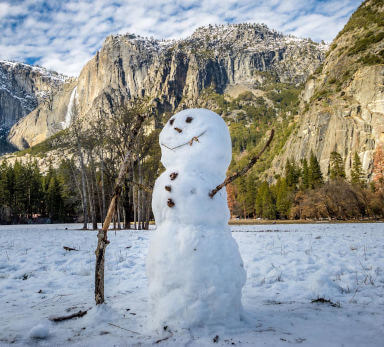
(190, 142)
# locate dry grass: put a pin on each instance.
(297, 221)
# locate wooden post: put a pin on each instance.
(102, 240)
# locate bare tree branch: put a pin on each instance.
(146, 188)
(244, 170)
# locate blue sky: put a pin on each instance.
(64, 35)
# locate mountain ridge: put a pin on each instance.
(22, 88)
(172, 74)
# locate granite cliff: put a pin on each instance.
(22, 88)
(342, 105)
(172, 74)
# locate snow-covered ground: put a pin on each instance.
(343, 263)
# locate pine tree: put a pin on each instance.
(54, 199)
(21, 191)
(3, 187)
(283, 202)
(304, 174)
(9, 184)
(357, 174)
(269, 207)
(264, 204)
(259, 202)
(250, 194)
(336, 166)
(292, 174)
(315, 177)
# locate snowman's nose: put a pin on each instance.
(178, 130)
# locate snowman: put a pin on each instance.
(194, 268)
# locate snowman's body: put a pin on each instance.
(194, 268)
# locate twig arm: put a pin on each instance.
(244, 170)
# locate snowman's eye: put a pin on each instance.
(188, 119)
(171, 121)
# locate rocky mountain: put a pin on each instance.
(171, 74)
(342, 106)
(22, 88)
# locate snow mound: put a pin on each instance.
(40, 331)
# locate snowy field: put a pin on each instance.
(287, 266)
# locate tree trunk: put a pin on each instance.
(140, 197)
(134, 203)
(91, 198)
(77, 183)
(118, 215)
(94, 174)
(93, 187)
(83, 186)
(148, 211)
(102, 184)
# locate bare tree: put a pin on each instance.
(76, 129)
(102, 235)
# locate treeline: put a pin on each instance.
(81, 186)
(303, 193)
(97, 149)
(26, 195)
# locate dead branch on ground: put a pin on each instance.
(71, 316)
(70, 249)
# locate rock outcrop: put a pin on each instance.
(343, 103)
(44, 121)
(172, 74)
(22, 88)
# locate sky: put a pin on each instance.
(63, 35)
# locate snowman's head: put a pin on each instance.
(196, 138)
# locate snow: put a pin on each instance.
(52, 75)
(40, 331)
(212, 144)
(194, 269)
(287, 267)
(223, 39)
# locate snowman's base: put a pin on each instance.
(195, 277)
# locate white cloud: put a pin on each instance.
(64, 35)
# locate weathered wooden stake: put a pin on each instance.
(102, 240)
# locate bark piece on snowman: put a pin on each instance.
(170, 202)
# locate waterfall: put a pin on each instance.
(69, 114)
